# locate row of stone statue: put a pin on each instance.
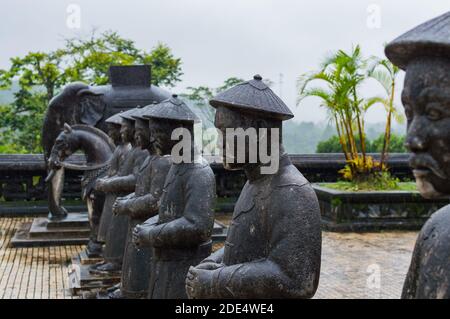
(158, 214)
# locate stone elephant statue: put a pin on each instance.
(79, 103)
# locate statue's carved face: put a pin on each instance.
(142, 134)
(426, 99)
(114, 133)
(127, 131)
(160, 136)
(244, 150)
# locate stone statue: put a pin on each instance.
(424, 53)
(180, 234)
(79, 103)
(273, 245)
(117, 160)
(139, 206)
(98, 149)
(121, 184)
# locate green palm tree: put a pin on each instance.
(342, 73)
(385, 73)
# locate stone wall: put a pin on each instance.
(22, 176)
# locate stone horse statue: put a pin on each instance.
(98, 149)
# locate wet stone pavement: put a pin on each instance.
(369, 265)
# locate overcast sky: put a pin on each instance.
(217, 39)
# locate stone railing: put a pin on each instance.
(22, 176)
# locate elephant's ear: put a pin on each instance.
(92, 107)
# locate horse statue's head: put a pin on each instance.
(65, 145)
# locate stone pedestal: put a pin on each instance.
(73, 230)
(81, 280)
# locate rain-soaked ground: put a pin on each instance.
(370, 265)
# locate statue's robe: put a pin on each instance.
(429, 273)
(117, 161)
(140, 206)
(122, 184)
(181, 233)
(273, 245)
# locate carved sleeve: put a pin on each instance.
(215, 257)
(195, 226)
(114, 163)
(146, 206)
(292, 266)
(120, 184)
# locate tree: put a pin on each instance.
(92, 58)
(201, 95)
(343, 73)
(41, 75)
(332, 145)
(383, 71)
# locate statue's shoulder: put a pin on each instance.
(438, 226)
(199, 172)
(292, 191)
(162, 162)
(290, 176)
(200, 166)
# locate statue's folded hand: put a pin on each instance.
(140, 236)
(118, 207)
(209, 265)
(199, 283)
(99, 184)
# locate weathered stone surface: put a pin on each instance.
(424, 53)
(373, 211)
(273, 245)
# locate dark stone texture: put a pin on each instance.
(424, 53)
(98, 149)
(344, 211)
(73, 230)
(430, 39)
(171, 109)
(180, 235)
(79, 103)
(117, 160)
(253, 95)
(17, 173)
(123, 183)
(273, 245)
(140, 206)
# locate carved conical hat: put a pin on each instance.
(255, 96)
(115, 119)
(431, 38)
(128, 114)
(142, 111)
(171, 109)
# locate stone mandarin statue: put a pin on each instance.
(181, 232)
(424, 53)
(117, 160)
(273, 245)
(139, 206)
(121, 184)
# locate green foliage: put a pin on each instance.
(40, 75)
(343, 73)
(396, 144)
(201, 95)
(332, 145)
(380, 182)
(91, 58)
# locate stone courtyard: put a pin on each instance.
(354, 265)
